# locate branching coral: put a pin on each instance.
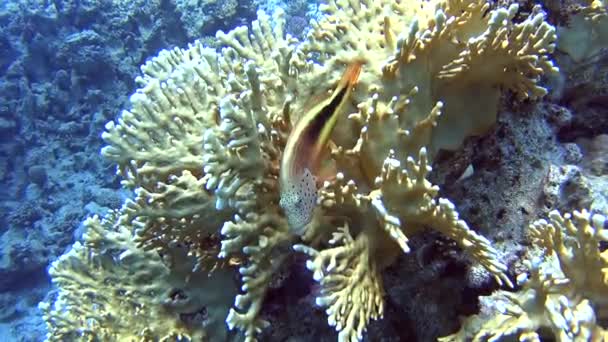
(403, 203)
(230, 110)
(565, 293)
(111, 290)
(157, 148)
(351, 284)
(425, 86)
(202, 143)
(436, 51)
(575, 240)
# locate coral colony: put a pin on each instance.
(201, 146)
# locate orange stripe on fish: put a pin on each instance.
(304, 150)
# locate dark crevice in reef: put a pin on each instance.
(424, 305)
(585, 123)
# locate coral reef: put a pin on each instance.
(65, 68)
(201, 144)
(111, 290)
(201, 18)
(561, 293)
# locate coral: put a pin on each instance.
(202, 142)
(586, 33)
(111, 290)
(407, 98)
(420, 57)
(205, 17)
(198, 149)
(565, 291)
(575, 240)
(405, 202)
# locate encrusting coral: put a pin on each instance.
(566, 292)
(202, 143)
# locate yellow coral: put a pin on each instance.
(351, 286)
(455, 52)
(565, 292)
(161, 134)
(223, 111)
(202, 142)
(157, 148)
(404, 203)
(426, 86)
(111, 290)
(574, 239)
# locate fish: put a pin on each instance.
(304, 151)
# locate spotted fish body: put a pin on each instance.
(299, 201)
(302, 156)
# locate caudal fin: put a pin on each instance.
(351, 74)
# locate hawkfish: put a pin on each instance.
(305, 149)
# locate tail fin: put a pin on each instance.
(351, 74)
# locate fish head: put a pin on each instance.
(298, 200)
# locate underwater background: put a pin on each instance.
(154, 238)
